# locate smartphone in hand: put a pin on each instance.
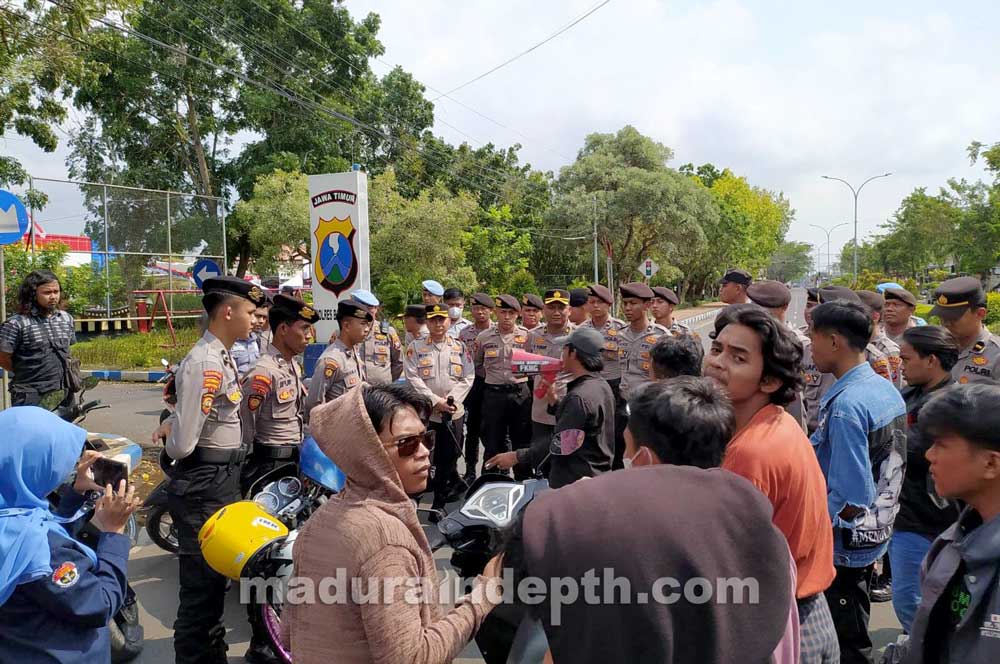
(109, 471)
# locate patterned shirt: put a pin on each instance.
(29, 340)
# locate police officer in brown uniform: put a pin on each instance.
(636, 340)
(506, 397)
(415, 322)
(579, 306)
(440, 368)
(381, 351)
(662, 307)
(548, 340)
(897, 316)
(204, 436)
(339, 368)
(882, 348)
(531, 312)
(961, 305)
(733, 286)
(482, 310)
(600, 302)
(272, 412)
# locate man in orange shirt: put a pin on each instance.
(758, 362)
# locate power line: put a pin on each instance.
(523, 53)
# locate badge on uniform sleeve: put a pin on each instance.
(425, 373)
(331, 368)
(456, 370)
(206, 402)
(284, 395)
(612, 332)
(211, 380)
(520, 339)
(260, 385)
(651, 339)
(66, 575)
(979, 360)
(963, 380)
(254, 401)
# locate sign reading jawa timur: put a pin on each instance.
(338, 215)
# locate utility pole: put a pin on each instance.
(596, 276)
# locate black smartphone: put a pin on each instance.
(108, 471)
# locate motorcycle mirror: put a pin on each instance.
(163, 361)
(566, 442)
(90, 382)
(52, 400)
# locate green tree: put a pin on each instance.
(790, 262)
(495, 250)
(275, 221)
(19, 261)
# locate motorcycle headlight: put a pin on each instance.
(494, 502)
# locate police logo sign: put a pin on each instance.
(336, 263)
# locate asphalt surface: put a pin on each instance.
(134, 413)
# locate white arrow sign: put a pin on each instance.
(8, 220)
(206, 273)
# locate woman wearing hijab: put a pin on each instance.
(369, 532)
(56, 594)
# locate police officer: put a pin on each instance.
(579, 306)
(482, 310)
(600, 301)
(887, 364)
(204, 436)
(272, 410)
(531, 312)
(898, 312)
(775, 297)
(432, 291)
(339, 368)
(961, 305)
(439, 367)
(381, 352)
(548, 340)
(246, 352)
(734, 284)
(662, 307)
(506, 397)
(456, 306)
(635, 342)
(415, 323)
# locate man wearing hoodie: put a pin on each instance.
(370, 531)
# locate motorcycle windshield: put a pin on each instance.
(318, 467)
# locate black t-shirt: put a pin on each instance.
(31, 341)
(921, 510)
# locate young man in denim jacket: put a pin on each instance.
(861, 446)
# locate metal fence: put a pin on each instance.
(127, 239)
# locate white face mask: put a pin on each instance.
(627, 463)
(455, 313)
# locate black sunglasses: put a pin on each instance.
(408, 446)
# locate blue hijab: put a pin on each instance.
(38, 451)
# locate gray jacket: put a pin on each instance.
(977, 637)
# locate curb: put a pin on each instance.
(700, 317)
(125, 376)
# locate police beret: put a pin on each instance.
(667, 294)
(736, 275)
(769, 294)
(433, 287)
(507, 302)
(451, 293)
(416, 311)
(874, 301)
(435, 311)
(637, 289)
(351, 309)
(366, 298)
(234, 286)
(556, 295)
(900, 294)
(483, 300)
(812, 295)
(532, 300)
(953, 297)
(602, 293)
(578, 297)
(831, 293)
(295, 307)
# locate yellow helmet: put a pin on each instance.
(231, 536)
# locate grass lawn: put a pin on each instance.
(134, 351)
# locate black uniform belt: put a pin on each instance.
(224, 457)
(506, 387)
(275, 452)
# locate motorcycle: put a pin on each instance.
(169, 389)
(126, 632)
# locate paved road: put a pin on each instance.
(134, 412)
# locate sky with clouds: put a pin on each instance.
(780, 91)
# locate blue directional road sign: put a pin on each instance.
(204, 269)
(13, 218)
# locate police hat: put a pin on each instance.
(234, 286)
(433, 287)
(532, 300)
(351, 309)
(295, 307)
(665, 293)
(769, 294)
(831, 293)
(435, 311)
(812, 295)
(953, 297)
(736, 275)
(874, 301)
(364, 297)
(637, 289)
(483, 300)
(418, 311)
(556, 295)
(602, 293)
(507, 302)
(900, 294)
(578, 297)
(451, 293)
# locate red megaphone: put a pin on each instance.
(530, 364)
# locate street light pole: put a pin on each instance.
(856, 192)
(828, 232)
